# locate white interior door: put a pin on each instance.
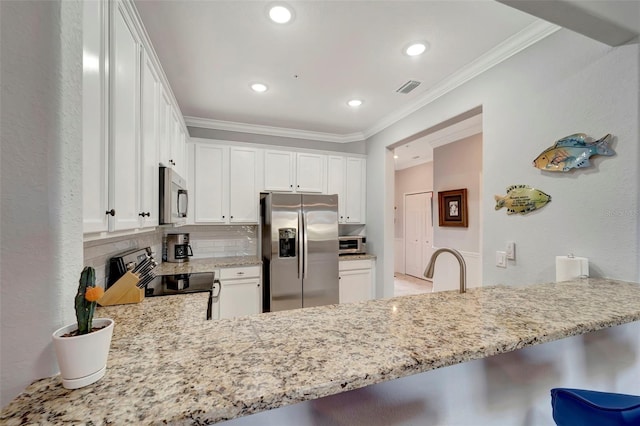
(418, 233)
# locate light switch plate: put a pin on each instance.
(501, 259)
(511, 250)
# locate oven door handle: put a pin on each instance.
(216, 297)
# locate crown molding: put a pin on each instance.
(533, 33)
(464, 129)
(272, 131)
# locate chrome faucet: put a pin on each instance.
(428, 273)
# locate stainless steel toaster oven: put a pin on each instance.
(352, 244)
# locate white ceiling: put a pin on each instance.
(212, 50)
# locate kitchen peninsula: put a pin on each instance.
(167, 365)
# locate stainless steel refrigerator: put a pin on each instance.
(299, 250)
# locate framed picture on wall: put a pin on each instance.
(452, 208)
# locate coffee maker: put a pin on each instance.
(177, 248)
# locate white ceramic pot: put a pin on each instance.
(83, 359)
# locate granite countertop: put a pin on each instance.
(205, 265)
(357, 257)
(168, 365)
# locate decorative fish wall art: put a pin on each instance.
(572, 152)
(522, 199)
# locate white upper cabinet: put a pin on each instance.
(95, 108)
(310, 172)
(355, 193)
(150, 129)
(226, 184)
(347, 178)
(178, 146)
(130, 121)
(211, 171)
(227, 180)
(125, 102)
(287, 171)
(166, 128)
(336, 182)
(279, 169)
(244, 172)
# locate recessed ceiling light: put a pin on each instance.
(280, 13)
(259, 87)
(416, 49)
(354, 103)
(395, 156)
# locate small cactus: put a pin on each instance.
(86, 298)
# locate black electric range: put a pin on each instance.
(201, 282)
(163, 285)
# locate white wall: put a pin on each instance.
(40, 186)
(564, 84)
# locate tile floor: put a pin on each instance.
(405, 285)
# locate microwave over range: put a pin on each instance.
(174, 198)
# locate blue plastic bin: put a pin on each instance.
(579, 407)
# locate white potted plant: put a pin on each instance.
(82, 349)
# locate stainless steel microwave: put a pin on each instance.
(174, 198)
(352, 244)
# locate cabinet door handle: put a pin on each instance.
(143, 214)
(240, 273)
(223, 217)
(111, 212)
(230, 217)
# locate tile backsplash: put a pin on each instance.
(222, 240)
(206, 241)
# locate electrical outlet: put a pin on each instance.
(511, 250)
(501, 259)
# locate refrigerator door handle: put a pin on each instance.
(305, 253)
(299, 243)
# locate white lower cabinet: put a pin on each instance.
(356, 280)
(241, 291)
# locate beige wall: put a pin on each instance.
(459, 165)
(410, 180)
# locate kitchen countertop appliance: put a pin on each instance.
(141, 263)
(352, 244)
(177, 248)
(299, 249)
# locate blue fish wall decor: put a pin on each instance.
(572, 152)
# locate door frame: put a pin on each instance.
(404, 223)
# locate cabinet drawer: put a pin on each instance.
(350, 265)
(240, 272)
